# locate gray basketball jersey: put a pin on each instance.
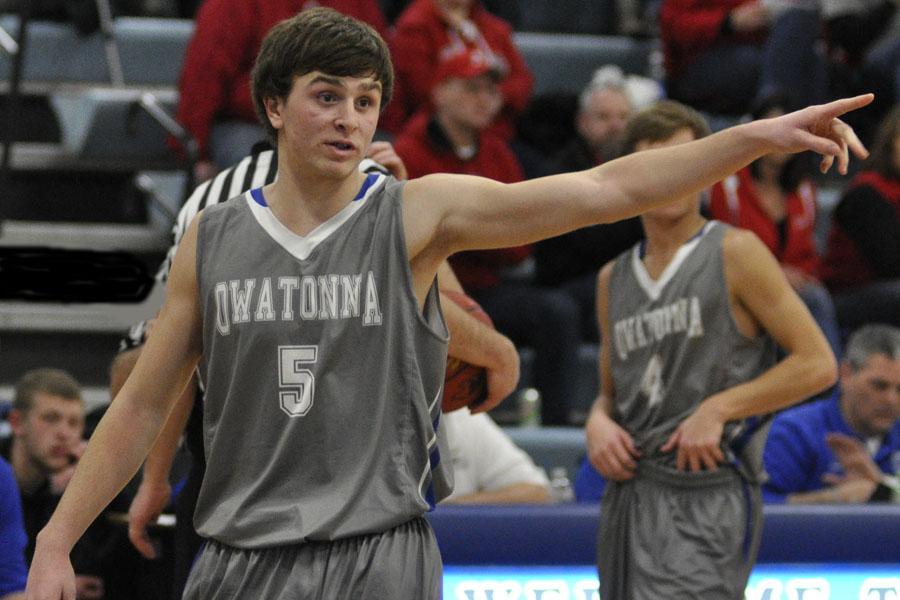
(675, 342)
(323, 377)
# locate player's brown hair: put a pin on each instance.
(318, 39)
(660, 122)
(53, 382)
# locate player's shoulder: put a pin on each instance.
(739, 244)
(605, 272)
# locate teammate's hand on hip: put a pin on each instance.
(696, 440)
(610, 448)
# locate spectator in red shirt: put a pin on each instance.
(454, 139)
(862, 260)
(726, 55)
(214, 102)
(431, 30)
(775, 198)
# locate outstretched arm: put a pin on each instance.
(127, 430)
(444, 214)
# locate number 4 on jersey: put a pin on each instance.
(298, 398)
(651, 382)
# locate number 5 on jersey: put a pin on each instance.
(297, 399)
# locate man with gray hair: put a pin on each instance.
(846, 448)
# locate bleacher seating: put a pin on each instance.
(87, 186)
(566, 62)
(151, 51)
(595, 17)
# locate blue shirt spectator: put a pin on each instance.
(797, 456)
(13, 540)
(840, 449)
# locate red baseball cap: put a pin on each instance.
(467, 64)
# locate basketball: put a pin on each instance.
(465, 384)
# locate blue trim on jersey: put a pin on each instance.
(257, 195)
(371, 178)
(434, 460)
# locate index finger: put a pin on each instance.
(837, 108)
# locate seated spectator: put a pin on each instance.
(13, 539)
(47, 422)
(775, 198)
(570, 262)
(862, 260)
(488, 468)
(807, 449)
(214, 102)
(453, 139)
(430, 31)
(725, 56)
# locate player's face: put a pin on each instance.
(50, 431)
(469, 103)
(872, 394)
(603, 120)
(684, 206)
(327, 122)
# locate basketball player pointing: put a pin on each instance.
(310, 305)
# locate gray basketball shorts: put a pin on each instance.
(679, 536)
(403, 562)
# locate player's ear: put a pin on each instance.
(16, 420)
(274, 106)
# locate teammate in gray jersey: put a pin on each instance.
(324, 337)
(689, 320)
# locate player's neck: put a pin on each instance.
(665, 236)
(302, 199)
